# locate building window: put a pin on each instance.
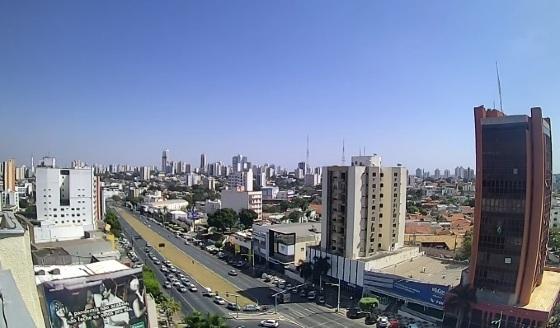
(54, 215)
(380, 185)
(395, 174)
(382, 175)
(380, 215)
(374, 174)
(381, 205)
(380, 235)
(394, 184)
(381, 225)
(395, 195)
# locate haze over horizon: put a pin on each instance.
(118, 82)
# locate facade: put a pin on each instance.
(67, 203)
(555, 214)
(211, 206)
(203, 163)
(164, 160)
(22, 305)
(285, 244)
(238, 200)
(145, 173)
(512, 215)
(210, 183)
(269, 192)
(312, 179)
(364, 207)
(240, 180)
(9, 175)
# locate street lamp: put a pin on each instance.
(236, 304)
(338, 297)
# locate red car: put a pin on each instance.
(393, 323)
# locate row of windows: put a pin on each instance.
(63, 215)
(68, 221)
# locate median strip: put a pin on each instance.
(202, 274)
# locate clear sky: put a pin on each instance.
(117, 81)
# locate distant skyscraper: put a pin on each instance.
(419, 173)
(437, 174)
(145, 173)
(446, 173)
(203, 163)
(9, 175)
(513, 199)
(164, 160)
(459, 172)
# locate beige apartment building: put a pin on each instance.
(364, 208)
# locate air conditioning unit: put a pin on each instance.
(423, 270)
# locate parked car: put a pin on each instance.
(383, 322)
(355, 313)
(183, 289)
(185, 280)
(311, 295)
(232, 273)
(321, 300)
(167, 285)
(269, 323)
(193, 288)
(251, 308)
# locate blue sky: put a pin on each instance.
(118, 81)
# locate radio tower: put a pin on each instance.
(307, 156)
(343, 158)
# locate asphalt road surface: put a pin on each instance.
(305, 314)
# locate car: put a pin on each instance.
(186, 242)
(251, 308)
(173, 269)
(412, 325)
(176, 283)
(232, 273)
(321, 300)
(221, 255)
(154, 258)
(303, 293)
(167, 285)
(164, 269)
(181, 276)
(208, 292)
(157, 262)
(383, 322)
(311, 295)
(269, 323)
(233, 307)
(193, 289)
(355, 313)
(185, 280)
(219, 300)
(167, 262)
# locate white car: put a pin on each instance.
(269, 323)
(383, 322)
(193, 288)
(219, 300)
(208, 292)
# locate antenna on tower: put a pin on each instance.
(343, 158)
(499, 87)
(307, 156)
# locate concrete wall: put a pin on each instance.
(15, 255)
(402, 255)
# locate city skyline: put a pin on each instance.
(99, 84)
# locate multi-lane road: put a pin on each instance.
(305, 314)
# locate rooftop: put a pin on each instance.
(81, 248)
(300, 229)
(429, 270)
(75, 271)
(544, 296)
(9, 225)
(13, 306)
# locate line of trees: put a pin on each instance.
(112, 220)
(226, 219)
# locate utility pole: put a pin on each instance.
(236, 303)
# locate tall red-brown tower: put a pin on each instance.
(513, 194)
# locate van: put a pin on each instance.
(208, 292)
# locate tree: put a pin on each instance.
(306, 270)
(294, 216)
(170, 307)
(423, 211)
(465, 249)
(222, 219)
(112, 220)
(116, 198)
(368, 303)
(554, 239)
(198, 320)
(150, 282)
(30, 212)
(459, 299)
(247, 217)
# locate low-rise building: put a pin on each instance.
(283, 244)
(238, 200)
(211, 206)
(269, 192)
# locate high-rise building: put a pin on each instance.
(164, 160)
(9, 175)
(239, 163)
(145, 173)
(364, 207)
(446, 173)
(67, 203)
(48, 161)
(242, 181)
(238, 200)
(469, 174)
(459, 172)
(437, 174)
(203, 163)
(512, 211)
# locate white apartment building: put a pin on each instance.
(211, 206)
(67, 203)
(145, 173)
(238, 200)
(242, 181)
(364, 207)
(555, 213)
(312, 179)
(269, 192)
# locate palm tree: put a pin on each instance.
(459, 301)
(170, 307)
(194, 320)
(320, 268)
(306, 270)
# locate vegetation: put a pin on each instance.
(247, 217)
(169, 306)
(116, 198)
(465, 249)
(223, 219)
(554, 239)
(112, 220)
(23, 203)
(30, 212)
(151, 283)
(368, 303)
(294, 216)
(198, 320)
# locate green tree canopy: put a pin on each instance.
(294, 216)
(247, 217)
(368, 303)
(198, 320)
(554, 239)
(112, 219)
(223, 219)
(465, 250)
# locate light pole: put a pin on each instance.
(236, 304)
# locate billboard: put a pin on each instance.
(433, 294)
(106, 300)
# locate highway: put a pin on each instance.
(305, 314)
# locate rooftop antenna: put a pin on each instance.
(307, 156)
(343, 158)
(499, 87)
